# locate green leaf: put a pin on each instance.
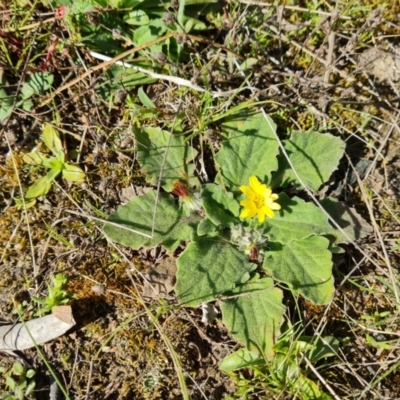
(52, 140)
(255, 319)
(73, 173)
(145, 99)
(29, 389)
(171, 228)
(193, 24)
(305, 265)
(206, 227)
(39, 82)
(296, 220)
(240, 359)
(220, 206)
(19, 393)
(11, 382)
(348, 219)
(55, 164)
(18, 368)
(147, 33)
(152, 145)
(207, 268)
(42, 186)
(82, 6)
(250, 150)
(27, 105)
(249, 63)
(324, 347)
(136, 17)
(6, 103)
(30, 373)
(308, 389)
(314, 156)
(35, 158)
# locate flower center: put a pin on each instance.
(259, 201)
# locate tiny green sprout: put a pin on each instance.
(19, 382)
(56, 164)
(56, 295)
(376, 317)
(397, 247)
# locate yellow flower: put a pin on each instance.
(261, 200)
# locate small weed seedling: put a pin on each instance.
(19, 381)
(56, 297)
(56, 164)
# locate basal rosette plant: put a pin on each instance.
(250, 240)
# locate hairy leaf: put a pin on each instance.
(153, 143)
(305, 265)
(314, 156)
(296, 220)
(255, 318)
(250, 150)
(209, 267)
(171, 226)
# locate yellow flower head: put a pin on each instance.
(261, 200)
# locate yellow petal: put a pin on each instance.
(248, 192)
(247, 213)
(275, 206)
(261, 216)
(268, 212)
(254, 183)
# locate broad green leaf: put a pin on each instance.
(34, 158)
(220, 206)
(296, 220)
(42, 186)
(250, 150)
(146, 100)
(73, 173)
(348, 219)
(241, 358)
(38, 83)
(314, 156)
(147, 33)
(136, 17)
(171, 228)
(152, 145)
(209, 267)
(6, 103)
(255, 318)
(52, 140)
(206, 227)
(305, 265)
